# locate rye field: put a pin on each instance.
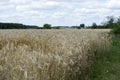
(50, 54)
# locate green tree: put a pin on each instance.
(110, 22)
(82, 25)
(116, 28)
(47, 26)
(94, 25)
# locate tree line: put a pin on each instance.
(16, 26)
(111, 22)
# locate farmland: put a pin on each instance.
(50, 54)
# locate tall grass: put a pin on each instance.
(49, 54)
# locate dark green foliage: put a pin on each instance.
(94, 26)
(16, 26)
(56, 27)
(47, 26)
(116, 28)
(82, 25)
(12, 26)
(39, 27)
(78, 27)
(111, 21)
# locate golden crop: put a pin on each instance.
(49, 54)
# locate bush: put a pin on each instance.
(116, 28)
(47, 26)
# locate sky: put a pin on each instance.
(58, 12)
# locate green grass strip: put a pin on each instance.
(107, 66)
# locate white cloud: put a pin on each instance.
(58, 12)
(2, 7)
(59, 15)
(115, 4)
(19, 1)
